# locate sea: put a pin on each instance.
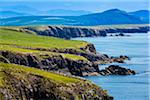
(136, 46)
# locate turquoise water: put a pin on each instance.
(134, 87)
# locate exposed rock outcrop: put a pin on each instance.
(59, 64)
(120, 35)
(91, 54)
(52, 63)
(119, 59)
(117, 70)
(68, 32)
(20, 83)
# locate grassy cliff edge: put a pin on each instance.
(20, 82)
(21, 51)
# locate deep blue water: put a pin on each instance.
(133, 87)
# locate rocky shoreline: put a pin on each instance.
(59, 64)
(118, 35)
(20, 64)
(56, 61)
(68, 32)
(116, 70)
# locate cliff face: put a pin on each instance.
(53, 54)
(68, 32)
(19, 82)
(29, 63)
(60, 64)
(57, 63)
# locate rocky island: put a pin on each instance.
(116, 70)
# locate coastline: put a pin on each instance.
(27, 71)
(85, 65)
(131, 85)
(68, 32)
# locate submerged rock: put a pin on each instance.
(120, 59)
(119, 34)
(117, 70)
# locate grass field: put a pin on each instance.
(22, 81)
(29, 40)
(21, 42)
(18, 42)
(22, 70)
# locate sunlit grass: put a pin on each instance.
(28, 70)
(74, 57)
(20, 42)
(33, 41)
(14, 49)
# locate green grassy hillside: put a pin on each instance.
(22, 42)
(14, 69)
(20, 82)
(24, 82)
(33, 41)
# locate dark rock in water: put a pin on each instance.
(120, 34)
(117, 70)
(124, 57)
(111, 35)
(120, 59)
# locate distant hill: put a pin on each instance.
(142, 15)
(109, 17)
(20, 8)
(36, 20)
(63, 12)
(7, 14)
(113, 16)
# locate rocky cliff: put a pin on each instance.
(41, 68)
(25, 83)
(69, 57)
(57, 62)
(68, 32)
(117, 70)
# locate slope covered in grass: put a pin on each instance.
(21, 69)
(33, 41)
(22, 42)
(20, 51)
(20, 82)
(69, 57)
